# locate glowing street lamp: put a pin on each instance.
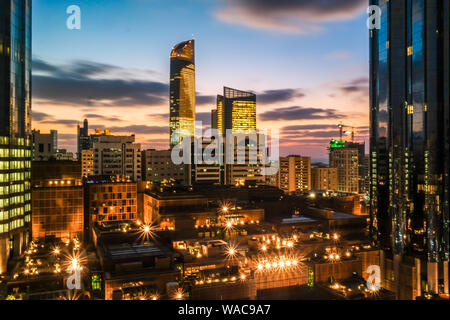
(179, 294)
(147, 232)
(231, 251)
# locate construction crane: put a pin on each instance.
(342, 131)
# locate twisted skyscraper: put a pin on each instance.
(182, 91)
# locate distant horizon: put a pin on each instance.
(308, 74)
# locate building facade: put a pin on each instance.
(182, 91)
(243, 160)
(117, 155)
(239, 111)
(206, 172)
(44, 145)
(63, 155)
(346, 160)
(87, 162)
(324, 179)
(15, 127)
(57, 200)
(295, 174)
(158, 167)
(409, 155)
(217, 115)
(109, 198)
(83, 139)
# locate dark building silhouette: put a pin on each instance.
(409, 156)
(182, 91)
(15, 127)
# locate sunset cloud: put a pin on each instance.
(300, 113)
(288, 16)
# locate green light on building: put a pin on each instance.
(337, 144)
(96, 283)
(310, 276)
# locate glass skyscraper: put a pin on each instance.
(217, 115)
(83, 139)
(239, 108)
(15, 127)
(409, 152)
(182, 91)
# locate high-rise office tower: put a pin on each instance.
(239, 110)
(182, 92)
(117, 155)
(217, 116)
(83, 138)
(409, 144)
(344, 156)
(239, 117)
(15, 127)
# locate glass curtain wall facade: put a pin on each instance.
(15, 127)
(217, 115)
(409, 106)
(239, 110)
(182, 92)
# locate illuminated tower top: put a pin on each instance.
(239, 110)
(182, 91)
(184, 51)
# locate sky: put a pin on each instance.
(306, 60)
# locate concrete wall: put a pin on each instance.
(4, 254)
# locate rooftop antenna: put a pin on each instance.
(341, 128)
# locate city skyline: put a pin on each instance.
(128, 92)
(114, 192)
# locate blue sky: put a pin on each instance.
(320, 53)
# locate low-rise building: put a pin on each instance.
(57, 200)
(158, 167)
(109, 198)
